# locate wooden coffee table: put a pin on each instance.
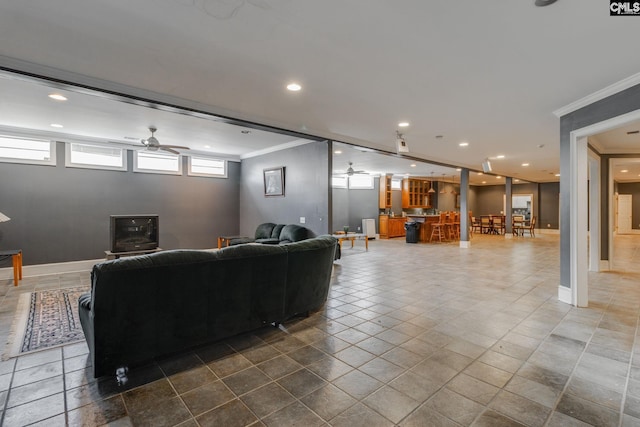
(352, 237)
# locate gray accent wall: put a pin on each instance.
(307, 177)
(612, 106)
(487, 200)
(549, 206)
(61, 214)
(350, 207)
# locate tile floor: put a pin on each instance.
(412, 335)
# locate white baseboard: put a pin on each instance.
(54, 268)
(465, 244)
(565, 295)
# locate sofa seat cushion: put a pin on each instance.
(241, 240)
(268, 241)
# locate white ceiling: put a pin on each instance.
(487, 72)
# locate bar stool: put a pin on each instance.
(455, 225)
(439, 227)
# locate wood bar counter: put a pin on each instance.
(425, 225)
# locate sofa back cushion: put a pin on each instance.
(277, 229)
(263, 231)
(294, 233)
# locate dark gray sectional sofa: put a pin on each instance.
(148, 306)
(275, 234)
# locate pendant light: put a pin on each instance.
(442, 190)
(431, 190)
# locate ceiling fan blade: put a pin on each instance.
(176, 146)
(166, 148)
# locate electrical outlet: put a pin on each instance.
(302, 220)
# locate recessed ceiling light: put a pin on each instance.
(458, 169)
(480, 173)
(337, 152)
(464, 144)
(500, 156)
(516, 180)
(207, 146)
(403, 124)
(57, 97)
(525, 164)
(56, 125)
(624, 171)
(484, 182)
(498, 177)
(413, 165)
(557, 174)
(294, 87)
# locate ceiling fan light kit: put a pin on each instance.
(152, 143)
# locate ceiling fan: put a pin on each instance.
(350, 171)
(153, 144)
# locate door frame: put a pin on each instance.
(577, 294)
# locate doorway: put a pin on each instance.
(623, 213)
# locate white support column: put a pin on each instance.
(578, 231)
(594, 212)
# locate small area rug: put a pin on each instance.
(45, 319)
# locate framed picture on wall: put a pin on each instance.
(274, 182)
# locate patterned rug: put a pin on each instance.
(45, 319)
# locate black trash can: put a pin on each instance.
(412, 231)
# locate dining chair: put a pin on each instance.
(531, 227)
(485, 224)
(498, 224)
(517, 225)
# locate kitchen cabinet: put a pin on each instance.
(385, 192)
(415, 193)
(391, 226)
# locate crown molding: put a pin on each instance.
(597, 96)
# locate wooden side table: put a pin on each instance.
(16, 257)
(225, 240)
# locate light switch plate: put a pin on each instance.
(302, 220)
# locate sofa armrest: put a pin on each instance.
(85, 301)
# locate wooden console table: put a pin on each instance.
(16, 257)
(116, 255)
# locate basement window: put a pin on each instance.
(27, 150)
(154, 162)
(207, 166)
(361, 182)
(94, 156)
(339, 181)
